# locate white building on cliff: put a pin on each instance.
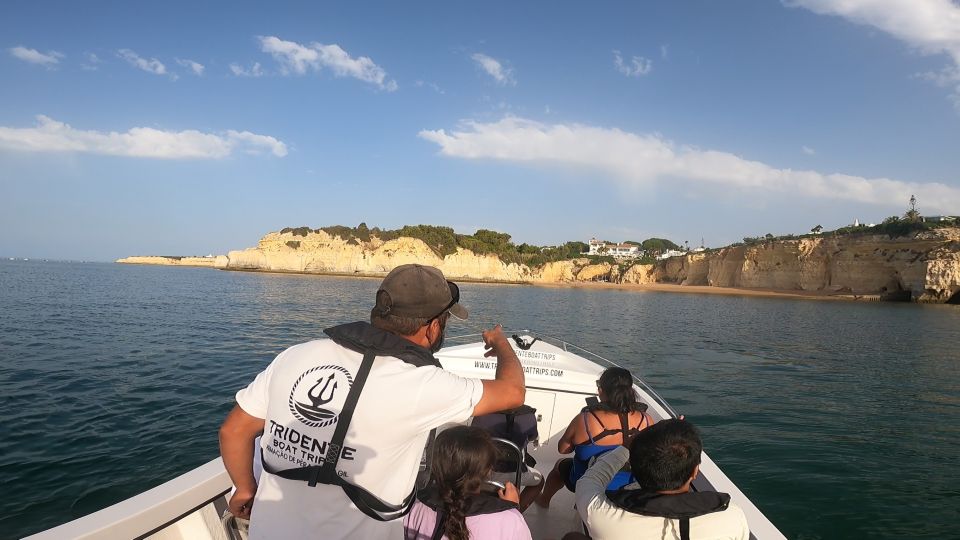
(670, 253)
(617, 251)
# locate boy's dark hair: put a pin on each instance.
(663, 456)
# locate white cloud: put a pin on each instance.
(48, 59)
(430, 85)
(637, 67)
(196, 67)
(635, 160)
(151, 65)
(945, 77)
(93, 62)
(493, 67)
(240, 71)
(255, 143)
(297, 59)
(807, 150)
(664, 51)
(292, 56)
(930, 26)
(52, 136)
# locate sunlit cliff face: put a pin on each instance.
(927, 266)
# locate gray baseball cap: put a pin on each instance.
(414, 290)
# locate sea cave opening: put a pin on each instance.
(955, 299)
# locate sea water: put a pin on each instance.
(837, 419)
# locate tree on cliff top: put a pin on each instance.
(441, 240)
(444, 241)
(297, 231)
(575, 249)
(912, 215)
(658, 245)
(493, 238)
(363, 233)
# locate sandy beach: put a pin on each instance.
(651, 287)
(704, 289)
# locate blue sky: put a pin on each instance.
(178, 128)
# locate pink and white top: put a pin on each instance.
(420, 523)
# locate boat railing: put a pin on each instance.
(566, 346)
(153, 510)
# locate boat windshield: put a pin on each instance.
(566, 346)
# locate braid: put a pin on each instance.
(455, 527)
(464, 457)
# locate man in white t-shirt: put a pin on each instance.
(299, 400)
(664, 459)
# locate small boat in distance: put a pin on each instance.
(559, 377)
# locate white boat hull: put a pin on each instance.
(558, 377)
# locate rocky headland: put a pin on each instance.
(219, 261)
(922, 266)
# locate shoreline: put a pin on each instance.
(353, 275)
(596, 285)
(725, 291)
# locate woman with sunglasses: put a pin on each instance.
(599, 428)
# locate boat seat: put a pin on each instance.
(511, 465)
(517, 425)
(512, 431)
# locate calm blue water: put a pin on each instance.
(839, 420)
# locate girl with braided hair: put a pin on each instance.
(453, 506)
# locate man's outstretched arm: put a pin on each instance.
(237, 435)
(508, 389)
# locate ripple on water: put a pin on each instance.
(830, 416)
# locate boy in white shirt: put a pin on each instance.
(665, 459)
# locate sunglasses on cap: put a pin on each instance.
(454, 293)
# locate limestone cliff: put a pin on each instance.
(924, 266)
(219, 261)
(319, 252)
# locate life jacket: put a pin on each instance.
(682, 507)
(370, 341)
(474, 505)
(586, 452)
(362, 337)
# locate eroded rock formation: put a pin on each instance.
(924, 267)
(219, 261)
(319, 252)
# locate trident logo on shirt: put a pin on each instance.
(316, 405)
(319, 399)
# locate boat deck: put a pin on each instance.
(559, 378)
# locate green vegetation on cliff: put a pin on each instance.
(656, 244)
(444, 241)
(893, 227)
(912, 222)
